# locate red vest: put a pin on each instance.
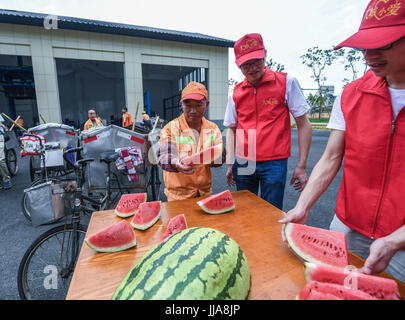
(263, 108)
(372, 192)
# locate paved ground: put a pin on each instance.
(16, 233)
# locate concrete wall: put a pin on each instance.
(45, 45)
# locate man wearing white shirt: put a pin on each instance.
(368, 131)
(3, 166)
(258, 114)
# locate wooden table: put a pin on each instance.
(277, 274)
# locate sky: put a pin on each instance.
(288, 27)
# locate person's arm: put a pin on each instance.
(230, 121)
(382, 250)
(304, 144)
(230, 158)
(321, 177)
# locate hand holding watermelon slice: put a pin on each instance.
(183, 168)
(295, 215)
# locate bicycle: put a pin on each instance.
(47, 266)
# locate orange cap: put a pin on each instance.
(195, 91)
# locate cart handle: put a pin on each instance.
(65, 153)
(36, 137)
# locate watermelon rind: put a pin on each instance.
(112, 249)
(202, 205)
(193, 264)
(131, 213)
(214, 212)
(147, 225)
(109, 235)
(304, 257)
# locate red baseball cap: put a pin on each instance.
(249, 47)
(195, 91)
(383, 23)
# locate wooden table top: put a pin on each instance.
(277, 274)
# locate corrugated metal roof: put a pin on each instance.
(71, 23)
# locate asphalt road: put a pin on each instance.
(16, 233)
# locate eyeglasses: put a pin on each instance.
(246, 66)
(384, 48)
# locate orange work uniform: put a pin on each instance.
(177, 133)
(126, 120)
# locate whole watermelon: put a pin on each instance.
(194, 264)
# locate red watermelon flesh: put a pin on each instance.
(316, 295)
(314, 289)
(377, 287)
(207, 156)
(147, 215)
(129, 203)
(317, 245)
(176, 224)
(117, 237)
(217, 204)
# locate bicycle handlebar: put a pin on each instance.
(36, 137)
(74, 165)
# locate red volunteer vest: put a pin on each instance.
(263, 108)
(371, 196)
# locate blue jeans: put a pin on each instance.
(270, 175)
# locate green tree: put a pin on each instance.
(354, 61)
(318, 60)
(275, 66)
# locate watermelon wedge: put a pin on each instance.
(328, 291)
(117, 237)
(128, 204)
(147, 215)
(176, 224)
(207, 156)
(317, 245)
(377, 287)
(218, 204)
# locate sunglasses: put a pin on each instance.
(384, 48)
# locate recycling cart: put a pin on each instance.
(124, 151)
(57, 138)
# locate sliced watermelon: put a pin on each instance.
(217, 204)
(147, 215)
(117, 237)
(316, 295)
(129, 203)
(315, 290)
(176, 224)
(207, 156)
(377, 287)
(317, 245)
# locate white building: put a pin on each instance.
(59, 67)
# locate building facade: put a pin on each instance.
(56, 68)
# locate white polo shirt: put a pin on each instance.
(294, 98)
(337, 120)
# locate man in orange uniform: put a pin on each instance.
(126, 119)
(93, 122)
(368, 131)
(188, 134)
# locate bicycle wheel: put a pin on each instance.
(11, 161)
(47, 267)
(24, 206)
